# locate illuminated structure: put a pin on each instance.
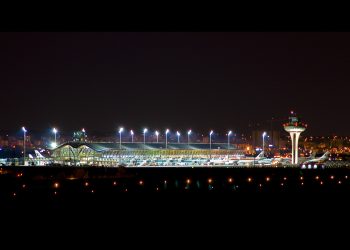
(140, 154)
(294, 127)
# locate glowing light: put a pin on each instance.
(210, 180)
(339, 182)
(24, 185)
(56, 185)
(167, 131)
(282, 184)
(92, 191)
(121, 130)
(131, 132)
(83, 130)
(321, 182)
(53, 144)
(157, 133)
(188, 181)
(332, 177)
(141, 182)
(164, 182)
(115, 183)
(267, 178)
(211, 132)
(24, 129)
(301, 178)
(178, 133)
(285, 178)
(230, 180)
(317, 177)
(249, 179)
(229, 132)
(54, 130)
(86, 184)
(145, 130)
(189, 132)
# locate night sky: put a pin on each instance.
(198, 80)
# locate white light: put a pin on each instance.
(189, 132)
(167, 131)
(53, 145)
(131, 132)
(24, 129)
(211, 132)
(83, 130)
(178, 133)
(145, 130)
(230, 132)
(157, 133)
(54, 130)
(121, 130)
(264, 134)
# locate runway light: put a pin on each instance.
(115, 183)
(260, 185)
(267, 178)
(24, 185)
(317, 177)
(332, 177)
(339, 182)
(56, 185)
(165, 182)
(86, 184)
(282, 184)
(230, 180)
(285, 178)
(346, 176)
(321, 182)
(188, 181)
(301, 178)
(249, 179)
(14, 194)
(92, 191)
(210, 180)
(141, 182)
(302, 183)
(55, 192)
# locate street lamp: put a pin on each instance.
(211, 132)
(166, 138)
(188, 136)
(144, 135)
(228, 139)
(263, 147)
(132, 136)
(120, 137)
(157, 134)
(178, 136)
(24, 145)
(54, 145)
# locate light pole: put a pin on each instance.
(24, 145)
(144, 135)
(228, 139)
(188, 136)
(178, 136)
(157, 134)
(211, 132)
(263, 148)
(120, 137)
(166, 138)
(132, 136)
(54, 145)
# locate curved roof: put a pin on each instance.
(105, 146)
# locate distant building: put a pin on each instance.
(272, 139)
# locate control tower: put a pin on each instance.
(294, 127)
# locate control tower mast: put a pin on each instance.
(294, 127)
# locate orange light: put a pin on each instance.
(188, 181)
(86, 184)
(56, 185)
(210, 180)
(301, 178)
(267, 178)
(249, 179)
(317, 177)
(230, 180)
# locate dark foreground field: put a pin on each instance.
(62, 185)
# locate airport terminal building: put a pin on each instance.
(140, 154)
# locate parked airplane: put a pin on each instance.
(316, 161)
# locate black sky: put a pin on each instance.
(169, 79)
